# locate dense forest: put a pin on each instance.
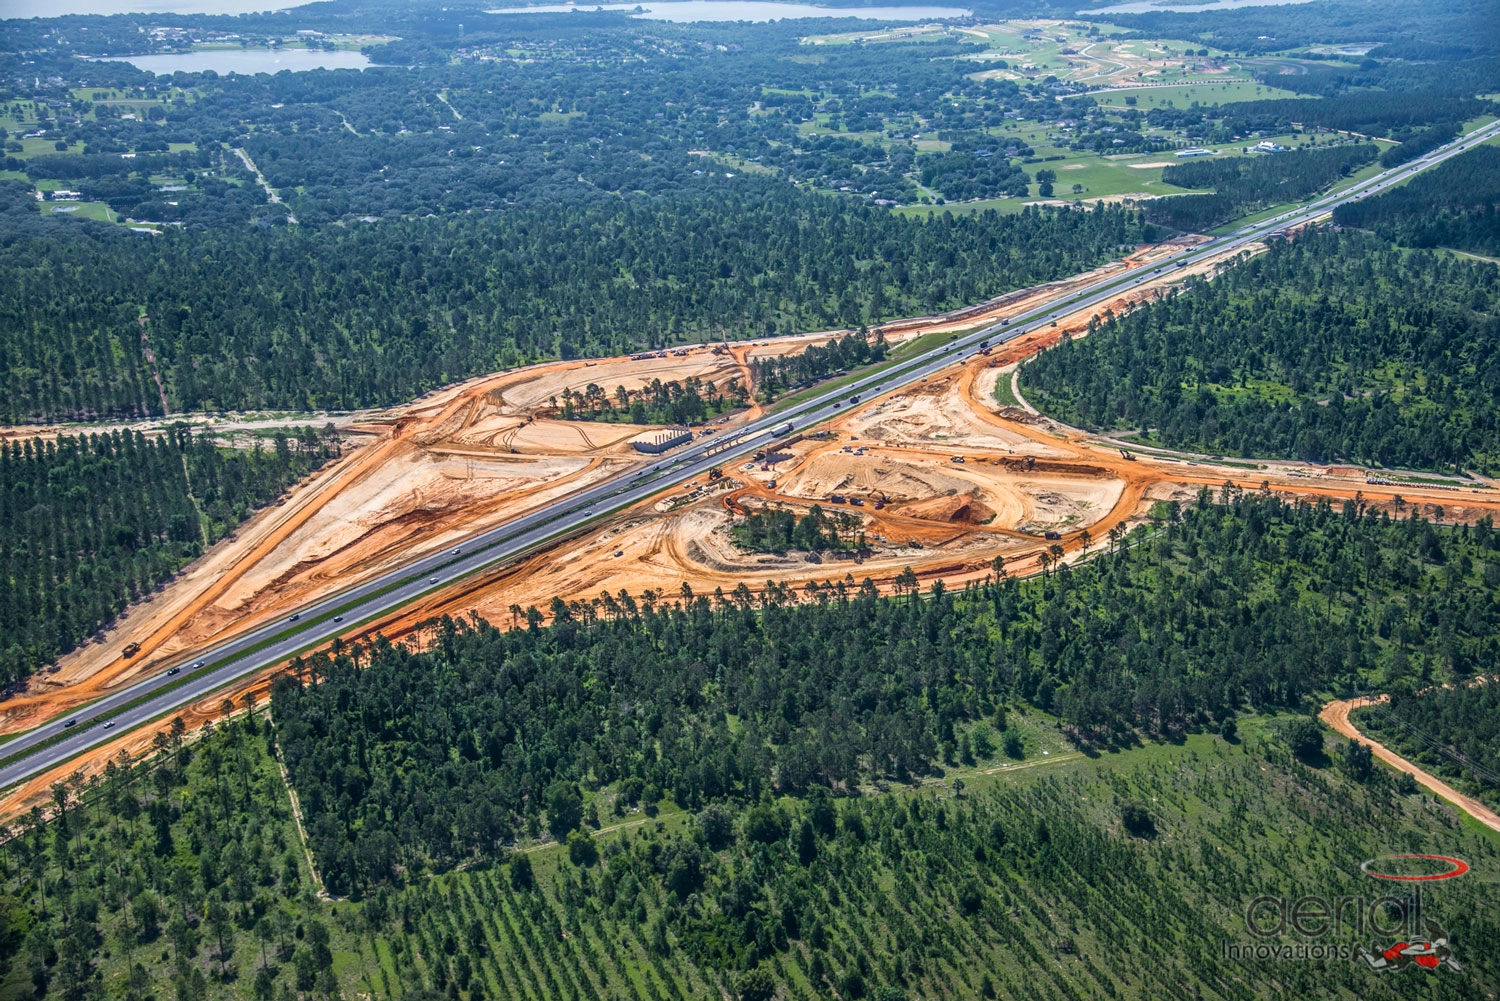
(1456, 204)
(716, 776)
(405, 760)
(91, 523)
(1242, 185)
(337, 318)
(1453, 732)
(183, 876)
(1330, 346)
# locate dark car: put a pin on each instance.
(71, 722)
(338, 618)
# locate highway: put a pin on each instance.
(317, 623)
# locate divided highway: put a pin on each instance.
(314, 624)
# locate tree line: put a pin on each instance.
(775, 530)
(1455, 204)
(775, 374)
(337, 318)
(1330, 346)
(1453, 731)
(184, 874)
(91, 523)
(1245, 184)
(405, 761)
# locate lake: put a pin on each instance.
(746, 10)
(1147, 6)
(57, 8)
(246, 61)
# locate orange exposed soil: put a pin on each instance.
(478, 454)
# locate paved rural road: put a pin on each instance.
(316, 623)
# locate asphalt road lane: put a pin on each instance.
(316, 623)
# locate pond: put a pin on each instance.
(246, 61)
(57, 8)
(745, 10)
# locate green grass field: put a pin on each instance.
(1181, 95)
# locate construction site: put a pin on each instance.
(940, 476)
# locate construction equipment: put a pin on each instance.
(715, 473)
(131, 649)
(1125, 454)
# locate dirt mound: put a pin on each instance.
(965, 509)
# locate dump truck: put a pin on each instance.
(131, 649)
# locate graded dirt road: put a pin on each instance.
(1336, 715)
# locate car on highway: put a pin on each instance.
(338, 618)
(432, 580)
(71, 722)
(173, 670)
(295, 617)
(198, 663)
(109, 724)
(455, 551)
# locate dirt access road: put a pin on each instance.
(1336, 715)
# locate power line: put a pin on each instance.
(1388, 715)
